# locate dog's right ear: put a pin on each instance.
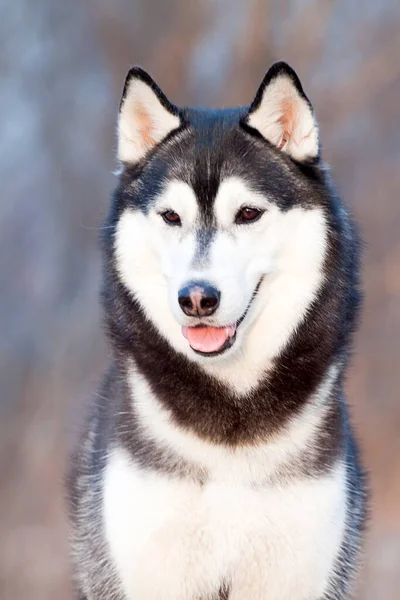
(146, 117)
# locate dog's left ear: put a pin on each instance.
(146, 117)
(283, 115)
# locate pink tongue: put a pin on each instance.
(207, 339)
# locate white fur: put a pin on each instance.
(250, 464)
(173, 539)
(150, 253)
(270, 538)
(140, 102)
(287, 249)
(281, 98)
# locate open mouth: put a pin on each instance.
(211, 341)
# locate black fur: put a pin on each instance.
(324, 334)
(210, 145)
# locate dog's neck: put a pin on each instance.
(204, 404)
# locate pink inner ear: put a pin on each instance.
(286, 121)
(284, 118)
(144, 125)
(283, 143)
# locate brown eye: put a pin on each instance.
(171, 217)
(247, 214)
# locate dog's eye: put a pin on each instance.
(171, 217)
(247, 214)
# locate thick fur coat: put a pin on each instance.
(217, 461)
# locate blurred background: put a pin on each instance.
(62, 68)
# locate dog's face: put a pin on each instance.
(221, 235)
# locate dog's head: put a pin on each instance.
(220, 221)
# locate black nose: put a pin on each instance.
(198, 299)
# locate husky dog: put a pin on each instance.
(218, 462)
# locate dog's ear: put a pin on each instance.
(283, 115)
(146, 116)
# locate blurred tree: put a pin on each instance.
(62, 67)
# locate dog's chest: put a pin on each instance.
(175, 539)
